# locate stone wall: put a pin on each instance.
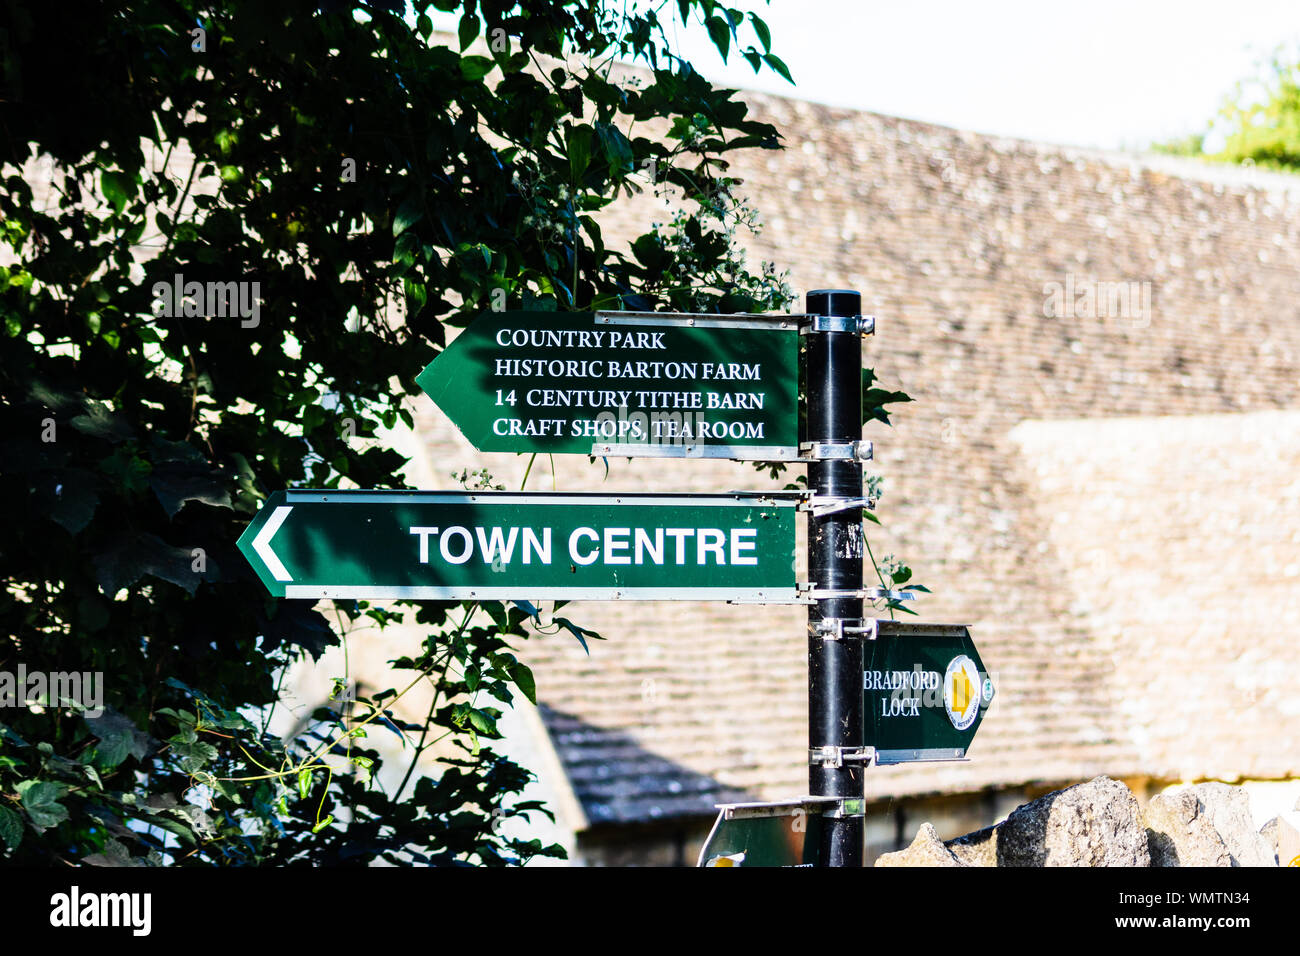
(1100, 823)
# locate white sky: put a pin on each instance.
(1111, 74)
(1101, 73)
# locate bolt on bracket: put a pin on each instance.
(832, 758)
(819, 506)
(810, 591)
(836, 450)
(838, 628)
(861, 324)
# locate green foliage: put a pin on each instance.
(354, 166)
(1267, 131)
(875, 399)
(892, 574)
(1258, 126)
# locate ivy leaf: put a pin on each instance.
(467, 30)
(174, 490)
(127, 470)
(874, 400)
(474, 68)
(649, 251)
(115, 854)
(11, 827)
(581, 633)
(75, 497)
(133, 558)
(181, 474)
(194, 755)
(98, 421)
(482, 722)
(8, 734)
(40, 799)
(298, 625)
(119, 738)
(497, 612)
(408, 214)
(117, 187)
(720, 34)
(615, 146)
(776, 63)
(578, 148)
(528, 608)
(525, 681)
(538, 303)
(762, 31)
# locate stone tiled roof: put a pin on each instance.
(1133, 593)
(1180, 539)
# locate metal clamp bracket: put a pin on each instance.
(861, 324)
(811, 592)
(838, 628)
(836, 450)
(832, 758)
(819, 506)
(884, 594)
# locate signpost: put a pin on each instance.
(666, 385)
(837, 758)
(623, 383)
(924, 692)
(502, 545)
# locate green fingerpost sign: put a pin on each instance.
(428, 545)
(925, 691)
(623, 383)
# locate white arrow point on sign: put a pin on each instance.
(262, 544)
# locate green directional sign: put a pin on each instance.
(623, 383)
(504, 545)
(925, 691)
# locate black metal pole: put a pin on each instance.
(834, 386)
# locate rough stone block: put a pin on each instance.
(1205, 825)
(926, 850)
